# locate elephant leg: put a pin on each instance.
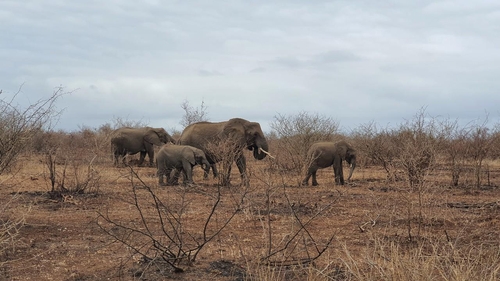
(123, 157)
(214, 170)
(120, 156)
(227, 177)
(341, 173)
(241, 163)
(188, 172)
(185, 180)
(184, 175)
(151, 155)
(314, 181)
(173, 176)
(338, 172)
(117, 156)
(305, 181)
(309, 173)
(141, 158)
(162, 172)
(149, 149)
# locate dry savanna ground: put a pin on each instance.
(369, 229)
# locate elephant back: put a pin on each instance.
(319, 146)
(201, 133)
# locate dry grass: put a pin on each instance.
(382, 231)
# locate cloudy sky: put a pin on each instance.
(354, 61)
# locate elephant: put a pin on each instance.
(180, 158)
(127, 140)
(324, 154)
(212, 137)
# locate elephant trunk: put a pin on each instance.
(260, 150)
(205, 165)
(353, 165)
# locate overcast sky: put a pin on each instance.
(354, 61)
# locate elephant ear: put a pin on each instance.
(351, 154)
(189, 155)
(152, 137)
(235, 130)
(199, 155)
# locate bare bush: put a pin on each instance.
(73, 176)
(18, 126)
(480, 145)
(71, 168)
(377, 146)
(495, 146)
(166, 233)
(192, 114)
(417, 144)
(297, 133)
(456, 149)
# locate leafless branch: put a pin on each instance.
(163, 235)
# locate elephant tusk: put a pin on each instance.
(266, 153)
(350, 172)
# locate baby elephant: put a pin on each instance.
(325, 154)
(181, 158)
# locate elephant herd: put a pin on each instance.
(200, 144)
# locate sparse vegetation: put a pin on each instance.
(421, 207)
(165, 234)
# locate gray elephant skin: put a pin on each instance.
(180, 158)
(325, 154)
(127, 140)
(244, 133)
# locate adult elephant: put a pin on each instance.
(324, 154)
(180, 158)
(215, 139)
(127, 140)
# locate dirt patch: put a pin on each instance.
(61, 240)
